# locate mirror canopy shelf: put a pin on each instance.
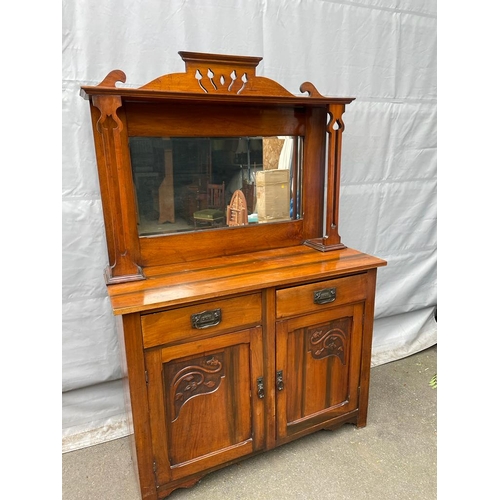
(220, 194)
(158, 147)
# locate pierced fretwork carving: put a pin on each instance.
(330, 339)
(215, 73)
(201, 375)
(235, 82)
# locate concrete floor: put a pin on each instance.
(393, 458)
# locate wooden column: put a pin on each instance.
(115, 177)
(335, 127)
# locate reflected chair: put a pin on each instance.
(215, 213)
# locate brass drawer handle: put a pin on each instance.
(325, 296)
(206, 319)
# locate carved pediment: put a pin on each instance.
(217, 73)
(214, 74)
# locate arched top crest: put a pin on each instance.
(218, 77)
(217, 74)
(209, 74)
(220, 74)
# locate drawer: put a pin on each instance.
(314, 297)
(186, 323)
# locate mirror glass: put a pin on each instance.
(202, 183)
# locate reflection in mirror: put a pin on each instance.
(188, 183)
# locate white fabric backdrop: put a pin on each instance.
(382, 52)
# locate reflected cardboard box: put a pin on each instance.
(273, 195)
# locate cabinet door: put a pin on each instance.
(204, 402)
(318, 369)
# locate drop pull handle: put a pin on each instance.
(279, 381)
(260, 387)
(206, 319)
(325, 296)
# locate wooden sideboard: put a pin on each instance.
(236, 339)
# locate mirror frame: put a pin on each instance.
(217, 96)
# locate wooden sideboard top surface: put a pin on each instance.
(182, 283)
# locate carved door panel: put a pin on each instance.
(204, 402)
(318, 368)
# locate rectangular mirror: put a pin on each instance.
(199, 183)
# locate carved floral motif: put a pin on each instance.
(200, 376)
(329, 340)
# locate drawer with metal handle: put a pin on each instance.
(186, 323)
(313, 297)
